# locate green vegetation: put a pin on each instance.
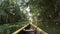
(45, 13)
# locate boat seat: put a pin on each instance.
(28, 30)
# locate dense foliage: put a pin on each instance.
(10, 12)
(45, 13)
(11, 16)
